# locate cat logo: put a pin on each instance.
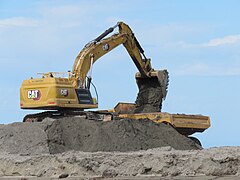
(34, 94)
(105, 47)
(64, 92)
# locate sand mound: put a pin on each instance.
(24, 138)
(158, 163)
(78, 133)
(119, 135)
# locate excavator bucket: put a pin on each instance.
(152, 91)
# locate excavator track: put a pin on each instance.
(91, 115)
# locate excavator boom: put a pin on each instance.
(99, 47)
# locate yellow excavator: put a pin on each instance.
(53, 92)
(67, 94)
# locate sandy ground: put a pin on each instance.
(164, 162)
(123, 149)
(130, 178)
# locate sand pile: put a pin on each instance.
(24, 138)
(78, 133)
(119, 135)
(160, 162)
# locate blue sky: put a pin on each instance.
(197, 41)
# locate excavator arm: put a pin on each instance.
(99, 47)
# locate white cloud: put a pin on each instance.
(18, 22)
(231, 39)
(201, 69)
(217, 42)
(194, 69)
(65, 12)
(61, 16)
(169, 35)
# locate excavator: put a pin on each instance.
(68, 94)
(51, 92)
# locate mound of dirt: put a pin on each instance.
(118, 135)
(78, 133)
(24, 138)
(152, 164)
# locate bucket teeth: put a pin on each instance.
(164, 81)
